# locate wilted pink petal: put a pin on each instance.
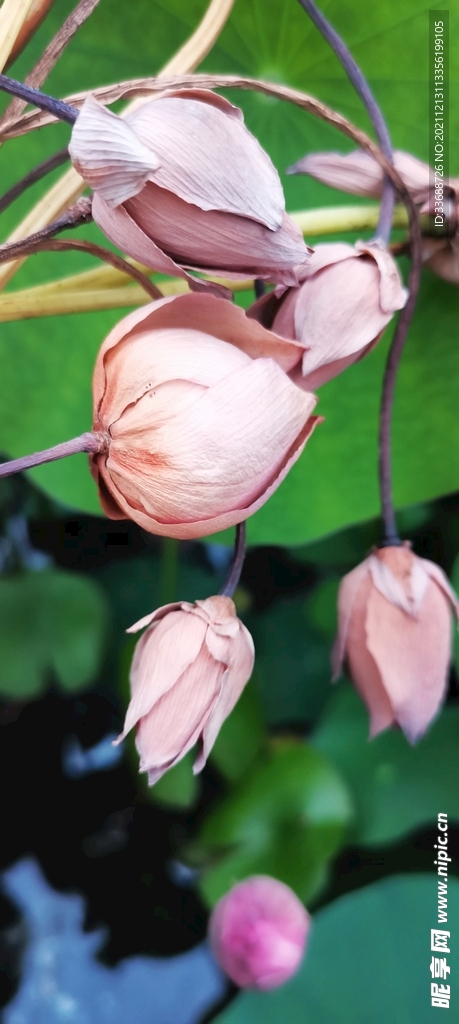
(120, 164)
(199, 433)
(395, 637)
(240, 664)
(157, 666)
(188, 671)
(258, 933)
(359, 173)
(164, 231)
(194, 120)
(441, 255)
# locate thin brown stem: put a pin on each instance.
(63, 111)
(90, 442)
(358, 80)
(50, 56)
(36, 174)
(79, 213)
(44, 241)
(237, 563)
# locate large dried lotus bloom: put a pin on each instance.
(394, 635)
(189, 669)
(199, 430)
(347, 297)
(181, 183)
(258, 933)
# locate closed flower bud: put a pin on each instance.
(258, 933)
(199, 431)
(394, 635)
(181, 182)
(189, 669)
(347, 297)
(359, 173)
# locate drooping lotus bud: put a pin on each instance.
(359, 173)
(200, 431)
(347, 297)
(181, 182)
(189, 669)
(258, 932)
(394, 635)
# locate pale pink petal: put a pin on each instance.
(349, 588)
(174, 723)
(405, 590)
(239, 671)
(109, 155)
(204, 527)
(141, 364)
(442, 257)
(412, 655)
(326, 255)
(360, 174)
(209, 159)
(392, 295)
(217, 242)
(337, 312)
(219, 454)
(119, 227)
(416, 174)
(161, 656)
(363, 667)
(213, 99)
(159, 613)
(218, 646)
(322, 374)
(442, 581)
(355, 172)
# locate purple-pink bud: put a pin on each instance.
(258, 933)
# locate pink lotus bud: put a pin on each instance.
(181, 182)
(359, 173)
(258, 932)
(348, 296)
(200, 431)
(189, 669)
(394, 634)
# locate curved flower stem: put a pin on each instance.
(362, 88)
(235, 570)
(90, 442)
(391, 537)
(383, 231)
(63, 111)
(36, 174)
(79, 213)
